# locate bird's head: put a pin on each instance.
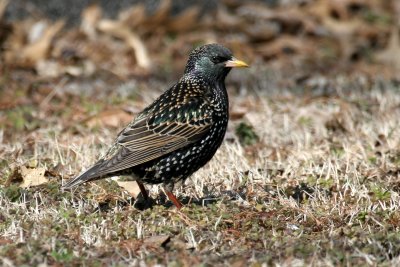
(212, 61)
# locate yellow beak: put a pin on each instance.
(235, 63)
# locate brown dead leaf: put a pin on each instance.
(391, 55)
(320, 9)
(286, 45)
(185, 21)
(119, 30)
(90, 18)
(255, 12)
(131, 244)
(339, 9)
(284, 20)
(343, 28)
(345, 9)
(3, 6)
(131, 186)
(156, 240)
(226, 20)
(133, 16)
(238, 113)
(162, 12)
(262, 31)
(38, 50)
(109, 118)
(15, 42)
(32, 176)
(59, 170)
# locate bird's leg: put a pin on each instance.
(168, 190)
(143, 190)
(174, 200)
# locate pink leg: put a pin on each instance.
(174, 200)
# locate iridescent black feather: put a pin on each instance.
(179, 132)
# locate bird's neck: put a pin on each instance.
(221, 95)
(216, 91)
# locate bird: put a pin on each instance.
(178, 133)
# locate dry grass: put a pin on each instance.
(321, 187)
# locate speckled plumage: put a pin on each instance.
(179, 132)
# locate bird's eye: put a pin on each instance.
(217, 59)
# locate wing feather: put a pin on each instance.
(142, 141)
(160, 129)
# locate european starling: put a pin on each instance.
(179, 132)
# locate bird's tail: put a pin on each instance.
(89, 175)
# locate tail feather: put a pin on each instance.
(88, 175)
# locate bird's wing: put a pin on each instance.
(155, 134)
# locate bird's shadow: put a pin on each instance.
(144, 204)
(162, 200)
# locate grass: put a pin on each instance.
(301, 179)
